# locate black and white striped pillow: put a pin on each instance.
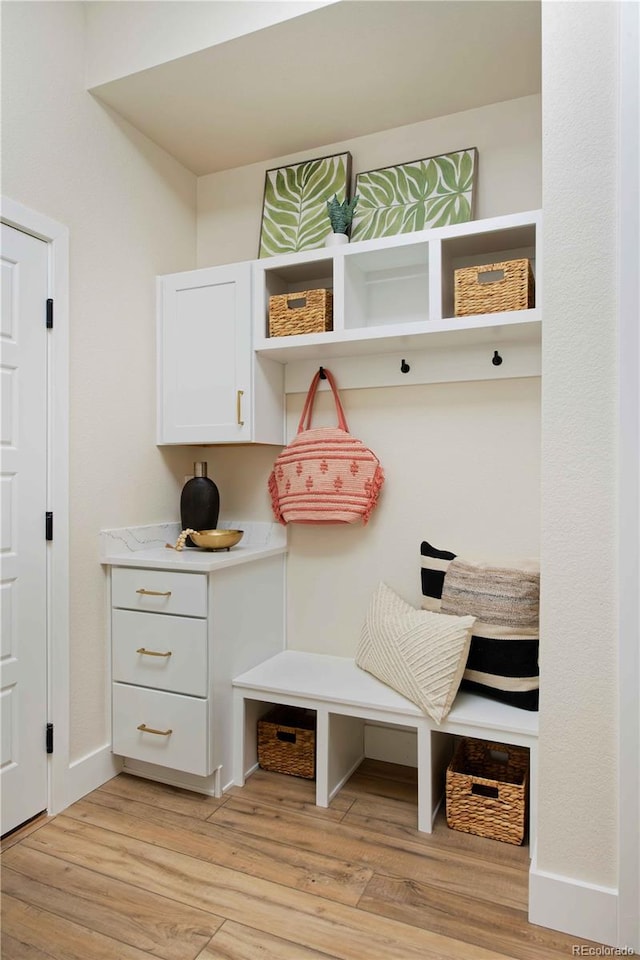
(503, 657)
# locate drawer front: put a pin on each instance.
(159, 591)
(168, 653)
(182, 724)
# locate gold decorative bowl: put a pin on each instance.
(217, 539)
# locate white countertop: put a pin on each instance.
(146, 547)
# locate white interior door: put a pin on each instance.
(23, 556)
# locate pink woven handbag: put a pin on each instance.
(325, 475)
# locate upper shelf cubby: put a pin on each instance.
(388, 286)
(396, 292)
(478, 249)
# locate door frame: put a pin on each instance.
(56, 236)
(629, 479)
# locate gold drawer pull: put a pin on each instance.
(154, 593)
(153, 653)
(159, 733)
(239, 396)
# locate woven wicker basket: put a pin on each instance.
(287, 742)
(308, 311)
(486, 790)
(494, 288)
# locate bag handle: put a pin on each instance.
(305, 419)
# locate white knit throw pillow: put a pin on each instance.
(420, 654)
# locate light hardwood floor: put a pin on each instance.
(137, 869)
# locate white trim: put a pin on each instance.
(335, 790)
(208, 786)
(571, 906)
(56, 235)
(629, 477)
(91, 772)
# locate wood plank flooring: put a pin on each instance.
(139, 869)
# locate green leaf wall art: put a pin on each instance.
(434, 192)
(294, 210)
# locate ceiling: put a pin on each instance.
(339, 72)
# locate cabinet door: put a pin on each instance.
(204, 356)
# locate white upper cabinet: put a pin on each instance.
(211, 389)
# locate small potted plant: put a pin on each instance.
(340, 216)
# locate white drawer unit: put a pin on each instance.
(178, 637)
(161, 728)
(165, 652)
(159, 591)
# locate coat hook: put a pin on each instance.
(323, 375)
(497, 359)
(404, 367)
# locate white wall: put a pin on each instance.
(462, 460)
(462, 470)
(130, 209)
(579, 696)
(507, 136)
(166, 30)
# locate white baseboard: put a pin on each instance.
(391, 744)
(88, 773)
(338, 787)
(252, 769)
(572, 906)
(209, 786)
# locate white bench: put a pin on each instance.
(344, 697)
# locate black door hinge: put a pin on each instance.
(49, 738)
(48, 525)
(49, 313)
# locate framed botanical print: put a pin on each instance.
(294, 208)
(433, 192)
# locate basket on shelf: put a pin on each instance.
(494, 288)
(486, 790)
(307, 311)
(287, 742)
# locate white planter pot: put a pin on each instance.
(336, 239)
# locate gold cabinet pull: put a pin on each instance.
(158, 733)
(154, 593)
(239, 396)
(153, 653)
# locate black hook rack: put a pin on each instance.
(496, 359)
(323, 375)
(404, 367)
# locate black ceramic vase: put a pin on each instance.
(199, 502)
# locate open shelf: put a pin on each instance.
(386, 287)
(395, 294)
(516, 326)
